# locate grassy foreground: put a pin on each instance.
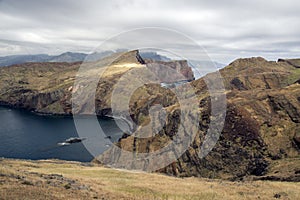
(55, 179)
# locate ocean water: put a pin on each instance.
(26, 135)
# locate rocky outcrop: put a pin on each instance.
(39, 87)
(261, 125)
(255, 73)
(47, 87)
(262, 116)
(127, 57)
(171, 71)
(293, 62)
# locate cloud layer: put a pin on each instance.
(226, 29)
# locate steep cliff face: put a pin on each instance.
(262, 122)
(261, 133)
(40, 87)
(47, 87)
(261, 129)
(260, 138)
(171, 71)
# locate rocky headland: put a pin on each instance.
(260, 139)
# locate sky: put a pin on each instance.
(225, 29)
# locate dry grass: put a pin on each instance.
(24, 180)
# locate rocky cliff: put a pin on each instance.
(39, 87)
(260, 139)
(294, 62)
(47, 87)
(171, 71)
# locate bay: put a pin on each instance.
(26, 135)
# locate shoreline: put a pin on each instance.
(37, 113)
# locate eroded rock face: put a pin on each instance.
(39, 87)
(237, 84)
(297, 136)
(281, 103)
(262, 116)
(260, 130)
(293, 62)
(47, 87)
(171, 71)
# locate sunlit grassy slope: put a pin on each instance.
(54, 179)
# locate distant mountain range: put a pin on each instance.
(77, 57)
(65, 57)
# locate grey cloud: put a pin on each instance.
(227, 29)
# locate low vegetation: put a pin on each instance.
(55, 179)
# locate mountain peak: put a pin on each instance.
(129, 57)
(253, 60)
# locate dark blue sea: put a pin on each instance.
(26, 135)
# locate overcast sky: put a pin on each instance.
(227, 29)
